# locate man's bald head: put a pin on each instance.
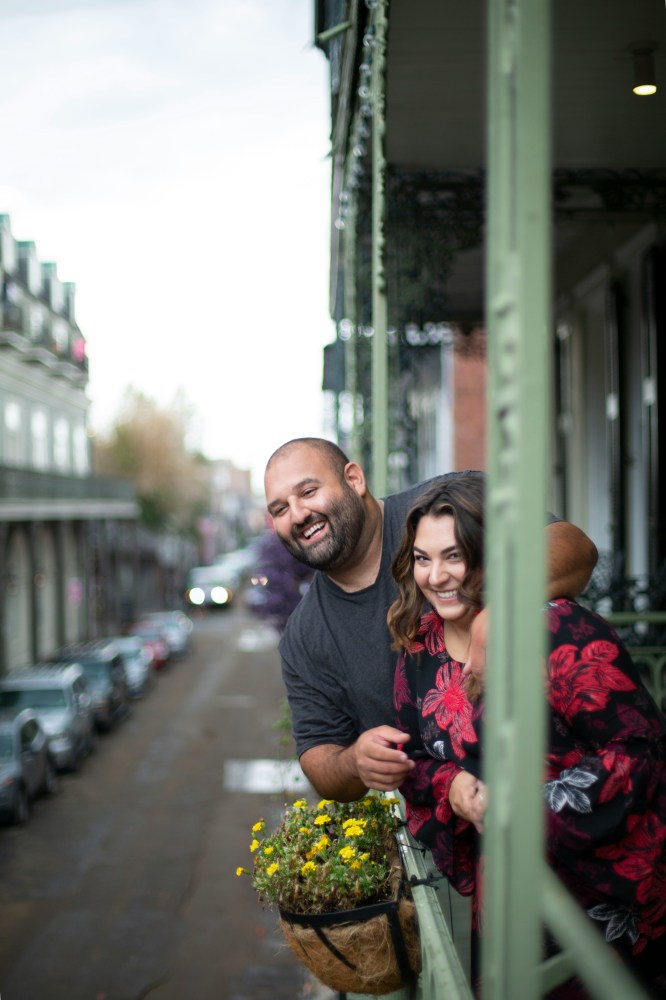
(329, 452)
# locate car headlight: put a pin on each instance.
(220, 595)
(196, 595)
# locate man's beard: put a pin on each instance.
(345, 520)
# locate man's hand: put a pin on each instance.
(467, 796)
(380, 761)
(346, 773)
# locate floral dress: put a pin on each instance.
(605, 776)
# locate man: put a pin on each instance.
(337, 663)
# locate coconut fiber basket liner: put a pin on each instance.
(372, 949)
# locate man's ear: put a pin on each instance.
(355, 477)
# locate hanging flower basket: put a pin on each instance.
(372, 949)
(334, 873)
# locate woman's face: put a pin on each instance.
(439, 566)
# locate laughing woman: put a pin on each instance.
(605, 768)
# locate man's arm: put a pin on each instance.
(571, 558)
(346, 773)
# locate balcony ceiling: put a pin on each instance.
(436, 85)
(436, 105)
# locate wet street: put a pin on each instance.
(124, 885)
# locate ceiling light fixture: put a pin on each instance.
(645, 80)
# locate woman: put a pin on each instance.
(605, 771)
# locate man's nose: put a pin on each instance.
(300, 511)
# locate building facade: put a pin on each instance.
(68, 539)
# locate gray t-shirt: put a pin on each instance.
(337, 662)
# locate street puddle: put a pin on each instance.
(265, 776)
(257, 639)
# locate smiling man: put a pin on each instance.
(337, 661)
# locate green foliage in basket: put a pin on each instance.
(332, 856)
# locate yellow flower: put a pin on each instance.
(304, 829)
(346, 853)
(321, 844)
(360, 823)
(242, 871)
(355, 864)
(309, 866)
(254, 845)
(258, 826)
(320, 820)
(310, 854)
(269, 850)
(301, 804)
(365, 856)
(271, 870)
(354, 831)
(324, 803)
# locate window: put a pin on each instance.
(81, 458)
(13, 433)
(40, 444)
(61, 449)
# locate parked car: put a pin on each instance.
(138, 662)
(152, 637)
(26, 765)
(59, 697)
(104, 670)
(176, 627)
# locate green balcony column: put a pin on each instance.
(380, 414)
(351, 344)
(518, 318)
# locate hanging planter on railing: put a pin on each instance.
(334, 873)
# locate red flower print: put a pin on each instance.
(561, 663)
(640, 854)
(583, 682)
(418, 816)
(653, 896)
(451, 706)
(432, 630)
(556, 610)
(619, 775)
(401, 692)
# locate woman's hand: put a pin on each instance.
(468, 798)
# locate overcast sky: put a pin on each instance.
(171, 156)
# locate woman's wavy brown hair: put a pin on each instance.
(462, 497)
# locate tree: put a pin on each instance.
(283, 581)
(147, 444)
